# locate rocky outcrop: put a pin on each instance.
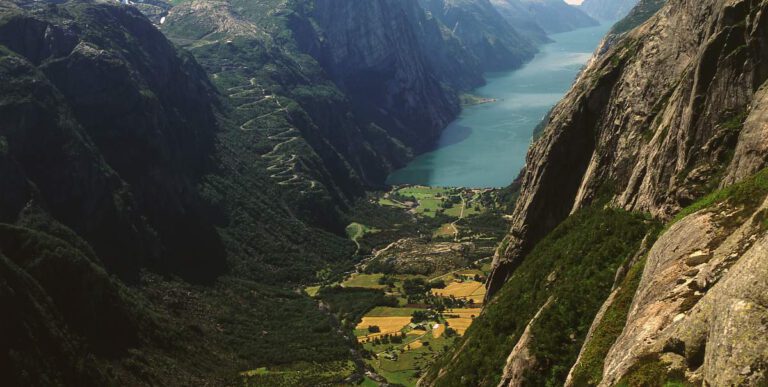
(416, 256)
(700, 307)
(751, 151)
(520, 360)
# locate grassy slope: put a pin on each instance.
(583, 253)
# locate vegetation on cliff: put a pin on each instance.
(575, 266)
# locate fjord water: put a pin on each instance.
(487, 144)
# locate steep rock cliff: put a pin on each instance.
(699, 314)
(373, 53)
(664, 114)
(653, 122)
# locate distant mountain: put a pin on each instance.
(483, 31)
(608, 10)
(518, 16)
(553, 16)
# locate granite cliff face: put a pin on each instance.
(664, 115)
(698, 314)
(660, 125)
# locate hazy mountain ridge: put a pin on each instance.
(555, 16)
(483, 31)
(607, 10)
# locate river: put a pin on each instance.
(486, 145)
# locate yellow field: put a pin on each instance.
(464, 312)
(388, 326)
(459, 324)
(464, 319)
(414, 345)
(463, 290)
(437, 332)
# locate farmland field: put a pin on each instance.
(463, 290)
(359, 280)
(384, 311)
(461, 319)
(424, 256)
(437, 332)
(387, 325)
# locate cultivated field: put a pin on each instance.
(386, 311)
(359, 280)
(460, 319)
(387, 325)
(437, 332)
(463, 290)
(414, 345)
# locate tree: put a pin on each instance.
(437, 284)
(419, 316)
(374, 329)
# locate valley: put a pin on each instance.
(393, 193)
(426, 254)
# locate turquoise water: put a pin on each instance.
(486, 145)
